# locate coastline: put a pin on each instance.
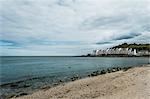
(112, 56)
(131, 83)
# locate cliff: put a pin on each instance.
(134, 46)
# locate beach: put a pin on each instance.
(133, 83)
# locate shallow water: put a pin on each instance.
(31, 73)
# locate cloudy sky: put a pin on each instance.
(71, 27)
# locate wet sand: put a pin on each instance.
(131, 84)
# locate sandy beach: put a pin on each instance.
(131, 84)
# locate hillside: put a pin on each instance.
(134, 46)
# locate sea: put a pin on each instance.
(26, 74)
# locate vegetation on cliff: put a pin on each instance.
(134, 46)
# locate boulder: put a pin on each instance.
(103, 72)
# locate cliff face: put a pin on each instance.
(134, 46)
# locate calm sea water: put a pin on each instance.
(39, 71)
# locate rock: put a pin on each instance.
(93, 74)
(113, 70)
(13, 85)
(103, 72)
(60, 81)
(109, 70)
(26, 85)
(89, 75)
(21, 94)
(11, 96)
(75, 77)
(126, 68)
(118, 68)
(45, 87)
(55, 83)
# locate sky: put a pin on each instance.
(71, 27)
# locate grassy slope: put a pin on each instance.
(134, 46)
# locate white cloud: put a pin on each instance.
(84, 21)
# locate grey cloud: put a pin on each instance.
(127, 36)
(120, 37)
(102, 43)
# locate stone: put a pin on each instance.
(103, 72)
(13, 85)
(26, 85)
(113, 70)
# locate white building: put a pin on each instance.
(134, 52)
(120, 51)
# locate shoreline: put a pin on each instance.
(70, 89)
(24, 83)
(83, 56)
(25, 86)
(113, 56)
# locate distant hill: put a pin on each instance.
(134, 46)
